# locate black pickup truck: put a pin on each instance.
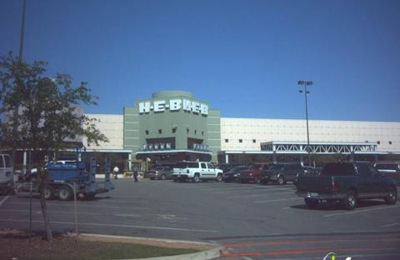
(347, 183)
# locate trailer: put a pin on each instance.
(67, 178)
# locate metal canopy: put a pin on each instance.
(319, 148)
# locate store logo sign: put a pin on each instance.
(160, 106)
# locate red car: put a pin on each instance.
(254, 173)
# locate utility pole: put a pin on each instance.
(306, 92)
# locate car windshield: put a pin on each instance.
(238, 168)
(255, 167)
(276, 167)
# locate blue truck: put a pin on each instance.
(67, 178)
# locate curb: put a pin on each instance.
(208, 250)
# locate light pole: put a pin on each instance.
(306, 83)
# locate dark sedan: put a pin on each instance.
(232, 174)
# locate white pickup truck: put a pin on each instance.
(196, 171)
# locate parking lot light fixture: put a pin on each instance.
(306, 83)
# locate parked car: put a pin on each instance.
(253, 173)
(225, 167)
(196, 171)
(281, 173)
(233, 173)
(391, 170)
(160, 173)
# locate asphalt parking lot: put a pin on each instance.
(251, 221)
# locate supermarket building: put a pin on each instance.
(173, 126)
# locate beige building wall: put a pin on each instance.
(112, 127)
(247, 133)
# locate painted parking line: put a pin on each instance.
(319, 246)
(81, 205)
(117, 226)
(4, 200)
(303, 251)
(275, 200)
(220, 191)
(360, 211)
(259, 195)
(244, 187)
(63, 204)
(292, 242)
(49, 211)
(128, 215)
(391, 225)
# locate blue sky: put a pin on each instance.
(243, 57)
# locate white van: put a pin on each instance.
(6, 169)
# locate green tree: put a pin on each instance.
(41, 113)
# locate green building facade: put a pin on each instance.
(172, 126)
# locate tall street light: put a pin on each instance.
(306, 83)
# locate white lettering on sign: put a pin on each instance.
(187, 105)
(204, 109)
(144, 107)
(159, 106)
(175, 104)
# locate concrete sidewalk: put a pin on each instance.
(207, 250)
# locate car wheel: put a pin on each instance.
(391, 198)
(281, 180)
(163, 177)
(311, 203)
(65, 193)
(219, 177)
(48, 192)
(350, 202)
(196, 178)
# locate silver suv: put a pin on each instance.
(196, 171)
(160, 173)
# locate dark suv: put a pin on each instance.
(391, 170)
(253, 173)
(281, 173)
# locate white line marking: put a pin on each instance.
(50, 212)
(276, 200)
(128, 215)
(360, 211)
(80, 205)
(258, 195)
(248, 188)
(120, 226)
(391, 225)
(3, 200)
